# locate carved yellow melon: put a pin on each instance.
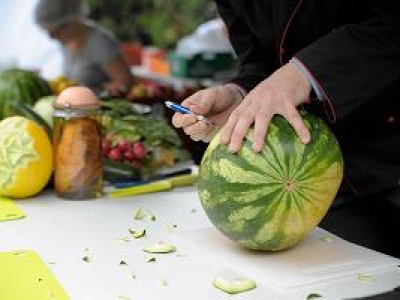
(26, 158)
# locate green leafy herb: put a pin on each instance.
(160, 141)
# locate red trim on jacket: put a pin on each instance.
(281, 50)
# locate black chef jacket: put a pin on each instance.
(352, 50)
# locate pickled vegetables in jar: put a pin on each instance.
(78, 167)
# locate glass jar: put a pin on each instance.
(78, 167)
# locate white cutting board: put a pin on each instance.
(320, 257)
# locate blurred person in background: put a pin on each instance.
(91, 53)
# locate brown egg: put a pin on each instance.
(77, 96)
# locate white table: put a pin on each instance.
(63, 232)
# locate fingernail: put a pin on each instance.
(257, 149)
(223, 140)
(233, 148)
(305, 139)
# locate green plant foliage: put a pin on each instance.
(119, 16)
(158, 22)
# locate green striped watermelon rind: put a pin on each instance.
(270, 201)
(21, 85)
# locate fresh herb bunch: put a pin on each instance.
(140, 141)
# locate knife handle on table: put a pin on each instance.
(166, 176)
(155, 186)
(183, 180)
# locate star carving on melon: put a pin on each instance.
(16, 152)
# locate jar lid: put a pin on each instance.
(77, 97)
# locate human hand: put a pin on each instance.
(279, 94)
(216, 103)
(115, 89)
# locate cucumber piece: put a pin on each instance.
(137, 234)
(138, 214)
(235, 285)
(313, 296)
(160, 247)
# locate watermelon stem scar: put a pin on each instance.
(289, 185)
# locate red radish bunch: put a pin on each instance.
(118, 149)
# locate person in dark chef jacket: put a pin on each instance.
(339, 59)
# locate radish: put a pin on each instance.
(115, 154)
(139, 151)
(129, 155)
(105, 146)
(123, 145)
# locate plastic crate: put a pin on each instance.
(203, 65)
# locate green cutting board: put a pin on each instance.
(24, 276)
(9, 210)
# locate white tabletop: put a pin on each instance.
(63, 232)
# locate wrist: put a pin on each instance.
(316, 92)
(304, 87)
(236, 91)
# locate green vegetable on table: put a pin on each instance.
(141, 142)
(235, 285)
(160, 247)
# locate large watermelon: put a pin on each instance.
(271, 200)
(20, 85)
